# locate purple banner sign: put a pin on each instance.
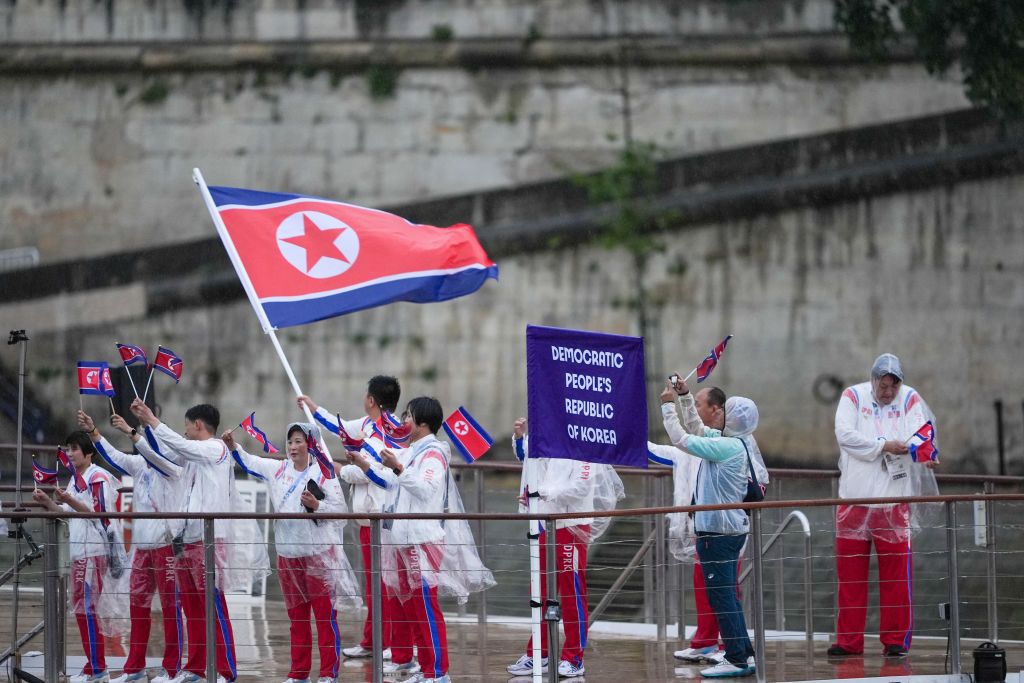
(586, 396)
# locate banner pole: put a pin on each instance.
(250, 291)
(535, 577)
(148, 382)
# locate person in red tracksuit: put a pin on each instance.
(155, 488)
(874, 422)
(209, 487)
(566, 486)
(382, 394)
(312, 568)
(91, 545)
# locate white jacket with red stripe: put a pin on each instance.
(862, 428)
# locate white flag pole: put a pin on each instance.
(690, 375)
(148, 382)
(535, 577)
(127, 372)
(250, 291)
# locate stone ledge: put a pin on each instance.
(350, 55)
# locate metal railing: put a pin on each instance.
(759, 545)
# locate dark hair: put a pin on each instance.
(206, 414)
(426, 410)
(81, 439)
(716, 397)
(385, 391)
(296, 428)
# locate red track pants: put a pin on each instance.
(571, 576)
(418, 619)
(86, 588)
(895, 577)
(189, 570)
(152, 572)
(306, 591)
(367, 641)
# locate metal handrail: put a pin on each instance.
(513, 516)
(798, 516)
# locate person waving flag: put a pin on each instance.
(249, 425)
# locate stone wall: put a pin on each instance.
(933, 275)
(162, 20)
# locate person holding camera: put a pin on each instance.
(94, 555)
(725, 475)
(154, 489)
(209, 487)
(313, 571)
(706, 408)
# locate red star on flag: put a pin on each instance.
(318, 243)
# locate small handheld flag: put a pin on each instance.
(63, 458)
(249, 425)
(925, 450)
(326, 466)
(131, 354)
(169, 363)
(350, 442)
(468, 436)
(706, 366)
(94, 378)
(395, 429)
(44, 476)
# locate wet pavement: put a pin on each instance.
(614, 655)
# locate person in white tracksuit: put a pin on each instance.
(313, 570)
(95, 592)
(423, 557)
(367, 434)
(209, 485)
(565, 486)
(155, 488)
(874, 422)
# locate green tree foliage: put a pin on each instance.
(985, 38)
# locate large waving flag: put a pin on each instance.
(249, 425)
(304, 258)
(468, 436)
(924, 448)
(708, 364)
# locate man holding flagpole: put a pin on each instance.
(874, 422)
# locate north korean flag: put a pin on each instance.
(925, 448)
(63, 459)
(130, 353)
(468, 436)
(326, 466)
(44, 476)
(94, 378)
(711, 362)
(169, 363)
(249, 425)
(309, 258)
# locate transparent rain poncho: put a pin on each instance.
(608, 491)
(894, 523)
(438, 554)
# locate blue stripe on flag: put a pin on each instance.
(417, 289)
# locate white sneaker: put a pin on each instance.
(410, 667)
(327, 679)
(568, 669)
(524, 666)
(82, 677)
(442, 679)
(187, 677)
(710, 654)
(296, 680)
(357, 652)
(130, 678)
(726, 669)
(162, 677)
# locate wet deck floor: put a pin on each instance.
(481, 653)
